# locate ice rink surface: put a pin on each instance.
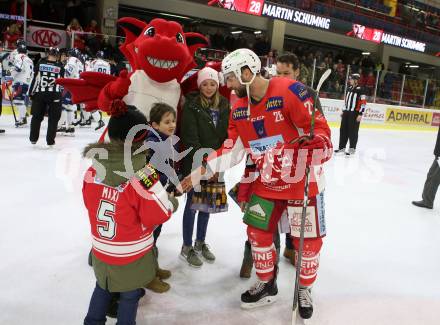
(380, 263)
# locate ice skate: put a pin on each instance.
(305, 302)
(100, 125)
(260, 294)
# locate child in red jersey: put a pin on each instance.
(125, 202)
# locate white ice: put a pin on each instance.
(380, 262)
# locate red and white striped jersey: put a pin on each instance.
(281, 116)
(122, 219)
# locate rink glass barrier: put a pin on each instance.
(380, 87)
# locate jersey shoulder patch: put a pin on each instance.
(300, 91)
(147, 176)
(274, 103)
(240, 113)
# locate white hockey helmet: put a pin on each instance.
(238, 59)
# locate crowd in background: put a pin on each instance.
(88, 38)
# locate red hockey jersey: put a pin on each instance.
(283, 115)
(122, 219)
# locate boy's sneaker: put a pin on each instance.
(260, 294)
(203, 249)
(339, 151)
(305, 302)
(189, 255)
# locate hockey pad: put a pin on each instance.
(315, 217)
(258, 212)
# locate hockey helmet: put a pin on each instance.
(100, 55)
(21, 48)
(20, 41)
(75, 53)
(355, 76)
(238, 59)
(54, 51)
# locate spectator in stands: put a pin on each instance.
(11, 35)
(270, 59)
(218, 40)
(370, 83)
(93, 36)
(75, 28)
(305, 74)
(73, 9)
(17, 8)
(430, 95)
(229, 43)
(261, 46)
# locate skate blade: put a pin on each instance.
(266, 301)
(298, 320)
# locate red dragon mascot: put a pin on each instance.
(160, 54)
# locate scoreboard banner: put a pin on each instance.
(272, 10)
(379, 36)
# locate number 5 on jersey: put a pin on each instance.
(105, 216)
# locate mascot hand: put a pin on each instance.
(114, 91)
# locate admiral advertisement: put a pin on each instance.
(386, 115)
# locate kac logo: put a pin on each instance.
(46, 37)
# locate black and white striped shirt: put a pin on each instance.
(46, 72)
(355, 100)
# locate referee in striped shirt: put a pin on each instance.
(355, 104)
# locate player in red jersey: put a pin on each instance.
(124, 210)
(271, 121)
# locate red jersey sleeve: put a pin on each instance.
(299, 110)
(149, 198)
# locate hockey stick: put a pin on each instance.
(304, 208)
(11, 99)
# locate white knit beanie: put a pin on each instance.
(206, 74)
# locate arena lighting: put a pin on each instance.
(257, 32)
(171, 15)
(237, 32)
(366, 53)
(414, 66)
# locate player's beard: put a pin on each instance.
(241, 92)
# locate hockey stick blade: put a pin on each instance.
(323, 79)
(295, 316)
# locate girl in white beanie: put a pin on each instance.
(205, 119)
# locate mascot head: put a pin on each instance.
(160, 48)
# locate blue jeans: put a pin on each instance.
(99, 304)
(188, 222)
